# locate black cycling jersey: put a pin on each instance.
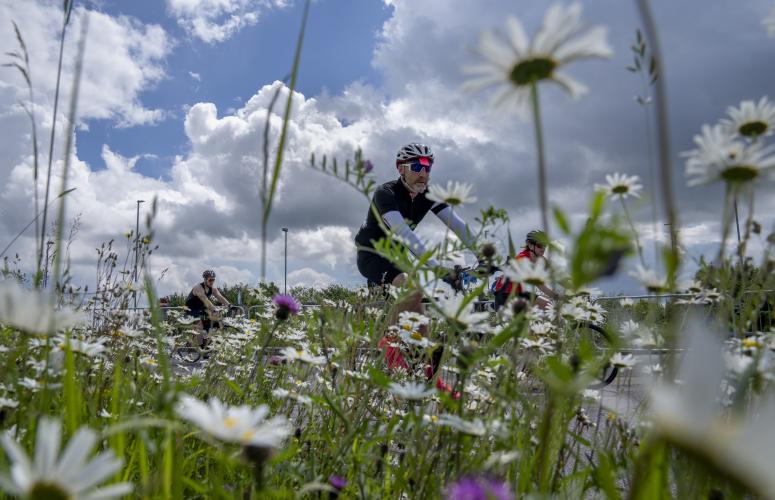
(195, 305)
(393, 196)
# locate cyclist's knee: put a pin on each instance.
(400, 279)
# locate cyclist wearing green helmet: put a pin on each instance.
(534, 249)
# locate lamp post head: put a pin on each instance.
(285, 229)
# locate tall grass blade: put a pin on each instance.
(283, 133)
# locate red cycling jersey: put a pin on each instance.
(524, 254)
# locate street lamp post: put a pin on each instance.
(285, 272)
(45, 273)
(137, 245)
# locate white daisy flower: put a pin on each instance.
(8, 403)
(474, 428)
(90, 349)
(413, 318)
(415, 338)
(539, 344)
(293, 354)
(515, 64)
(720, 156)
(30, 383)
(751, 119)
(574, 313)
(585, 291)
(623, 361)
(769, 23)
(31, 312)
(456, 193)
(286, 394)
(692, 415)
(454, 310)
(630, 328)
(411, 390)
(501, 458)
(626, 302)
(620, 186)
(542, 328)
(737, 363)
(654, 369)
(50, 474)
(526, 272)
(235, 424)
(649, 279)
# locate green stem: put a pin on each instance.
(541, 159)
(68, 9)
(726, 220)
(634, 232)
(663, 136)
(651, 168)
(748, 224)
(72, 116)
(283, 133)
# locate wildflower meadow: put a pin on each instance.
(342, 392)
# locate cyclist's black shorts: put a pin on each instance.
(377, 270)
(501, 298)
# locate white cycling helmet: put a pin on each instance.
(411, 151)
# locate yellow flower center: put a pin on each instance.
(416, 336)
(229, 422)
(247, 435)
(620, 189)
(751, 342)
(532, 70)
(753, 129)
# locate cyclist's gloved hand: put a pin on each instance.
(452, 278)
(485, 267)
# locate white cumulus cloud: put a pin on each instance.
(214, 21)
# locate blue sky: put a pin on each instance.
(234, 70)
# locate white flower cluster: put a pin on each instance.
(733, 151)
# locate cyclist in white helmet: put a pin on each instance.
(402, 204)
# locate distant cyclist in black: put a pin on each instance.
(199, 303)
(402, 205)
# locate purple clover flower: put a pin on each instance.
(337, 482)
(368, 166)
(286, 306)
(479, 488)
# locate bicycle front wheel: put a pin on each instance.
(600, 340)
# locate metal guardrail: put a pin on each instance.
(177, 308)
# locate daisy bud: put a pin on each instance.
(276, 360)
(518, 306)
(488, 251)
